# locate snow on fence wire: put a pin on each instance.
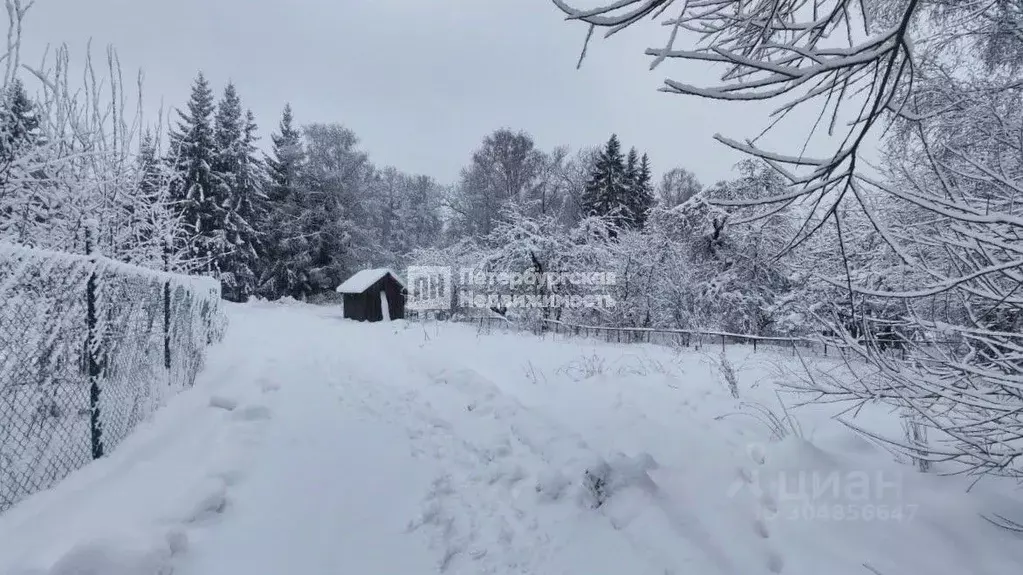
(666, 336)
(89, 347)
(663, 336)
(825, 346)
(699, 339)
(682, 337)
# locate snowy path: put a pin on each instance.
(325, 495)
(410, 463)
(318, 446)
(420, 456)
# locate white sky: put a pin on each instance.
(421, 82)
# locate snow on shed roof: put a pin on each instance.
(361, 281)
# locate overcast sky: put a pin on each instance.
(420, 81)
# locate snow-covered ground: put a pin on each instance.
(315, 445)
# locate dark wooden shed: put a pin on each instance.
(370, 293)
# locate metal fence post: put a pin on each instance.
(92, 350)
(166, 310)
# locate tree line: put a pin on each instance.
(298, 220)
(200, 196)
(295, 221)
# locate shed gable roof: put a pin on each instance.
(362, 280)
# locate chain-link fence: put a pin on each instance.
(89, 347)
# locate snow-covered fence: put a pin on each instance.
(683, 337)
(89, 347)
(697, 339)
(663, 336)
(825, 346)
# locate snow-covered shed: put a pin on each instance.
(374, 295)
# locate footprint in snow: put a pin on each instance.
(756, 453)
(225, 403)
(251, 413)
(767, 509)
(760, 528)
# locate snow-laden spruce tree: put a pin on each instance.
(641, 194)
(637, 195)
(335, 218)
(284, 240)
(238, 189)
(938, 82)
(606, 190)
(192, 154)
(21, 150)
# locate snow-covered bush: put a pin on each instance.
(927, 241)
(75, 153)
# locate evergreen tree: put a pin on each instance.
(630, 189)
(250, 206)
(193, 191)
(19, 125)
(253, 172)
(637, 192)
(336, 219)
(631, 167)
(285, 162)
(236, 176)
(642, 193)
(605, 191)
(228, 134)
(20, 203)
(285, 250)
